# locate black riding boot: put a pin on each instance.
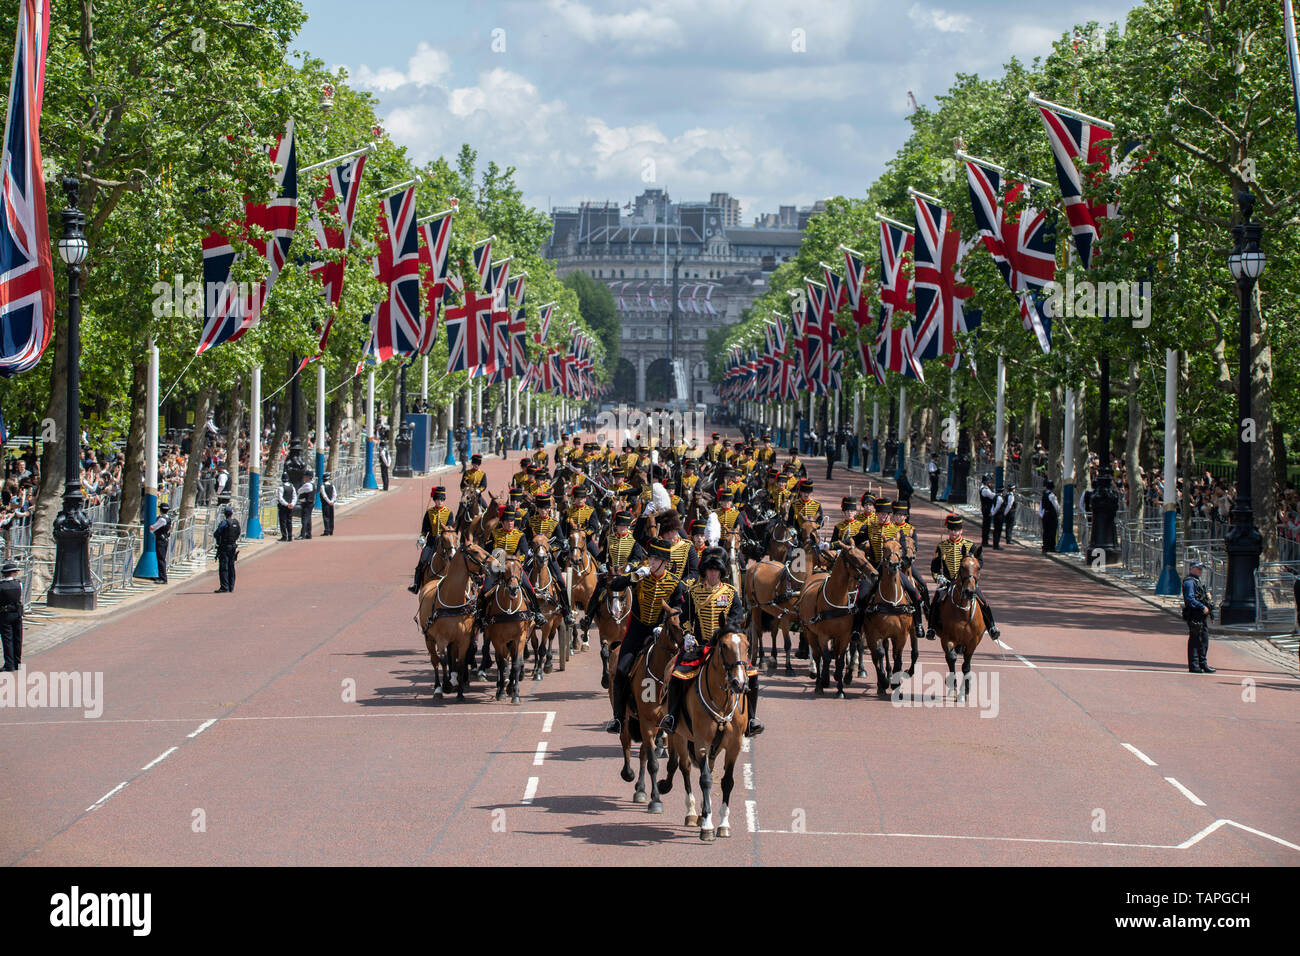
(589, 613)
(669, 723)
(622, 691)
(934, 614)
(988, 617)
(755, 725)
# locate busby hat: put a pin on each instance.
(578, 491)
(867, 499)
(543, 499)
(476, 459)
(714, 559)
(847, 502)
(659, 548)
(952, 522)
(715, 436)
(726, 494)
(699, 527)
(883, 504)
(623, 518)
(806, 484)
(510, 514)
(901, 508)
(670, 522)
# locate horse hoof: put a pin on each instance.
(640, 797)
(481, 675)
(724, 832)
(548, 668)
(692, 820)
(627, 774)
(655, 807)
(820, 692)
(666, 786)
(586, 645)
(501, 695)
(789, 671)
(604, 680)
(840, 695)
(771, 667)
(437, 692)
(706, 836)
(515, 700)
(661, 753)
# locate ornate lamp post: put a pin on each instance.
(72, 586)
(1243, 542)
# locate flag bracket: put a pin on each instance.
(1036, 100)
(1010, 174)
(338, 159)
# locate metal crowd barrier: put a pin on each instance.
(1275, 598)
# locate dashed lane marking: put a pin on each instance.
(202, 727)
(751, 818)
(749, 776)
(540, 755)
(1185, 792)
(1026, 661)
(1139, 754)
(530, 790)
(160, 758)
(104, 799)
(549, 723)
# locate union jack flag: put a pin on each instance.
(26, 266)
(227, 313)
(1074, 140)
(483, 262)
(342, 189)
(435, 241)
(518, 329)
(467, 330)
(894, 346)
(938, 255)
(1023, 246)
(499, 323)
(858, 289)
(816, 346)
(395, 326)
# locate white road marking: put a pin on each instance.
(1139, 754)
(744, 745)
(751, 817)
(1003, 644)
(749, 776)
(160, 758)
(104, 799)
(1185, 792)
(202, 727)
(540, 755)
(550, 722)
(1027, 662)
(1186, 844)
(530, 790)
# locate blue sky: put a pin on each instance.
(774, 101)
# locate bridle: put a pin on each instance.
(732, 689)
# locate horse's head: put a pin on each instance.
(541, 545)
(808, 535)
(892, 553)
(855, 560)
(446, 544)
(577, 540)
(474, 558)
(734, 648)
(672, 624)
(968, 576)
(512, 573)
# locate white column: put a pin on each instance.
(151, 424)
(424, 381)
(875, 418)
(255, 423)
(1067, 463)
(1171, 427)
(320, 408)
(857, 413)
(999, 421)
(370, 405)
(902, 420)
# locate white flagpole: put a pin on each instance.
(1000, 418)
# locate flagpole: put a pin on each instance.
(902, 431)
(370, 482)
(875, 435)
(400, 186)
(1169, 582)
(147, 565)
(337, 159)
(433, 216)
(320, 429)
(999, 425)
(254, 529)
(1010, 174)
(894, 222)
(1039, 101)
(926, 196)
(450, 433)
(952, 445)
(1067, 543)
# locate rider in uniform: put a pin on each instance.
(796, 465)
(948, 556)
(582, 517)
(510, 540)
(437, 518)
(620, 553)
(900, 529)
(543, 522)
(805, 507)
(713, 609)
(473, 479)
(767, 454)
(847, 529)
(652, 585)
(713, 450)
(1196, 612)
(689, 477)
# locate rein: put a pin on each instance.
(728, 694)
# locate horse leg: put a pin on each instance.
(639, 796)
(666, 784)
(706, 787)
(911, 668)
(651, 759)
(728, 781)
(785, 631)
(692, 811)
(501, 676)
(625, 739)
(967, 652)
(839, 674)
(950, 655)
(896, 673)
(880, 658)
(604, 664)
(547, 649)
(516, 668)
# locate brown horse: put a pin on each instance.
(446, 618)
(961, 624)
(507, 624)
(826, 613)
(611, 620)
(890, 627)
(649, 683)
(715, 713)
(771, 592)
(582, 573)
(444, 549)
(480, 529)
(548, 602)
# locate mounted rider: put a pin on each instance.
(619, 554)
(948, 556)
(714, 609)
(507, 541)
(847, 529)
(473, 478)
(804, 507)
(437, 519)
(900, 529)
(652, 586)
(545, 523)
(582, 517)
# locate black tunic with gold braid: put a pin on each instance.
(648, 595)
(948, 556)
(436, 519)
(622, 549)
(807, 510)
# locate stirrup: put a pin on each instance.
(755, 727)
(614, 726)
(994, 632)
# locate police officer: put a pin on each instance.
(998, 515)
(1009, 513)
(384, 458)
(306, 499)
(1049, 509)
(162, 532)
(287, 498)
(932, 469)
(11, 617)
(227, 535)
(987, 500)
(328, 495)
(1196, 612)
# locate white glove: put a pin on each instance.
(657, 631)
(640, 572)
(688, 640)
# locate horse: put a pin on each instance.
(715, 713)
(961, 625)
(771, 591)
(826, 613)
(582, 573)
(446, 619)
(611, 620)
(508, 624)
(468, 509)
(892, 627)
(444, 549)
(480, 529)
(649, 682)
(546, 588)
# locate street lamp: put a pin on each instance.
(1243, 541)
(72, 586)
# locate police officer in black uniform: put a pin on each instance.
(1196, 612)
(987, 500)
(11, 617)
(1049, 509)
(328, 495)
(998, 512)
(162, 532)
(227, 535)
(287, 498)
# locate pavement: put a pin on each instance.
(293, 722)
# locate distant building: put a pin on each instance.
(721, 268)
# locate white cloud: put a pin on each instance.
(643, 30)
(940, 20)
(427, 66)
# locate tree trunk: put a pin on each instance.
(232, 434)
(271, 467)
(1055, 436)
(334, 426)
(1132, 444)
(49, 494)
(1263, 491)
(1027, 435)
(357, 419)
(133, 475)
(198, 445)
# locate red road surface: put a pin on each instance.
(295, 725)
